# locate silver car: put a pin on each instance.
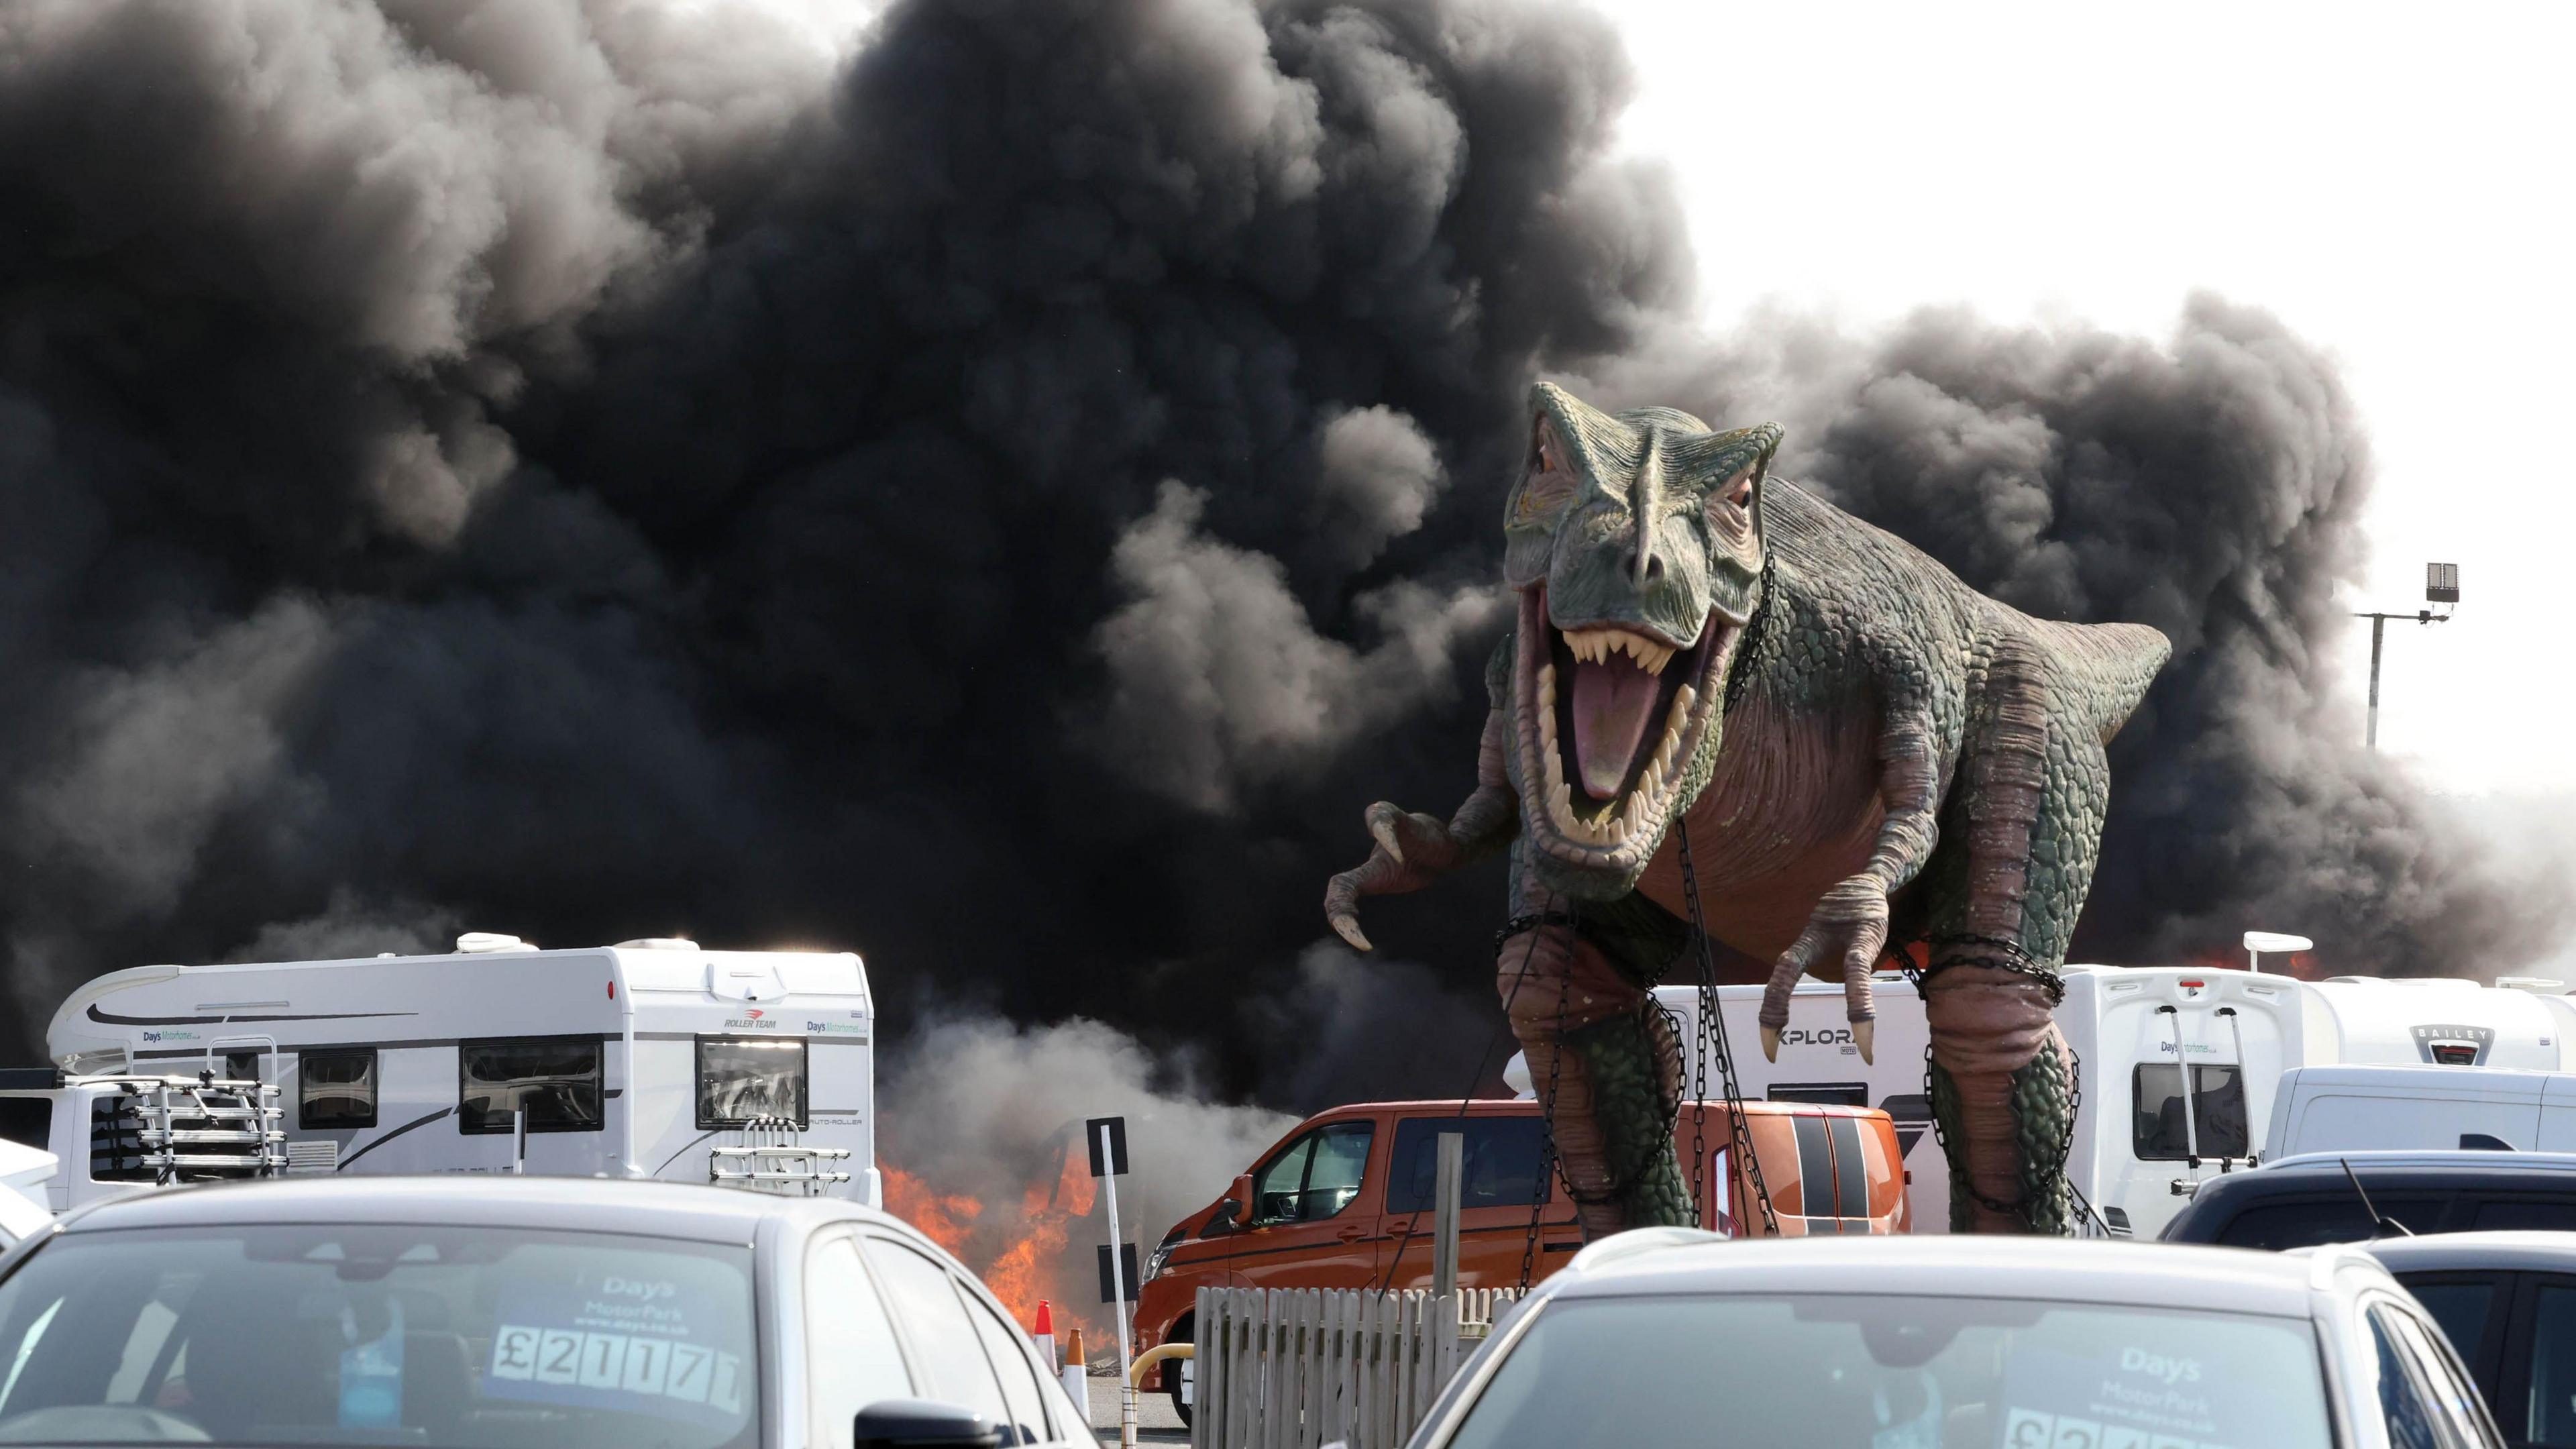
(1667, 1337)
(471, 1312)
(2508, 1303)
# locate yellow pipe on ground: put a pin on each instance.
(1154, 1356)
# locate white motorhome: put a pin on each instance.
(652, 1058)
(2141, 1144)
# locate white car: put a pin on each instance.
(1668, 1336)
(501, 1312)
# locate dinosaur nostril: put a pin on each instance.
(1654, 568)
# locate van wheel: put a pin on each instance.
(1181, 1333)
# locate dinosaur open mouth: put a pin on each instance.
(1612, 713)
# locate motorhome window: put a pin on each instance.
(2218, 1112)
(336, 1089)
(117, 1151)
(742, 1080)
(27, 1121)
(1831, 1094)
(1500, 1166)
(243, 1066)
(556, 1079)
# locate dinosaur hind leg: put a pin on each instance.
(2025, 830)
(1604, 1062)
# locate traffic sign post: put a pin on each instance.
(1108, 1139)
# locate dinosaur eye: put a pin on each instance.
(1546, 482)
(1730, 507)
(1541, 492)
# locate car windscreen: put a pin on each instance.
(1893, 1372)
(439, 1336)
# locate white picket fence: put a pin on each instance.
(1298, 1368)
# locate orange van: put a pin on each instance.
(1345, 1200)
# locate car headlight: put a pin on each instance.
(1155, 1260)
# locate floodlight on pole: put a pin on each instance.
(2441, 586)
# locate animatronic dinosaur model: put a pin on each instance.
(1721, 680)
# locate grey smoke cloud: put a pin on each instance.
(1218, 678)
(347, 928)
(1377, 476)
(992, 1112)
(1376, 1029)
(1003, 503)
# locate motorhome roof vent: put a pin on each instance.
(484, 943)
(658, 943)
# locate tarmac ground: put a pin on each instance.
(1156, 1423)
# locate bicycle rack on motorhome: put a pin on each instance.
(120, 1129)
(768, 1156)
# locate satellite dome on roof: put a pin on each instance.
(479, 943)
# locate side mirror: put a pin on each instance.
(1238, 1199)
(921, 1424)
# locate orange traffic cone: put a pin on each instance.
(1077, 1384)
(1044, 1335)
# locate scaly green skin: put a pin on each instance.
(1843, 724)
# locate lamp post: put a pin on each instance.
(2441, 586)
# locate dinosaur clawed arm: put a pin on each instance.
(1848, 928)
(1412, 849)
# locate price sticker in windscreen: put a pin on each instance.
(551, 1347)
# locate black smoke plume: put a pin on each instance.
(1002, 503)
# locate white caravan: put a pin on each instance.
(650, 1059)
(2141, 1144)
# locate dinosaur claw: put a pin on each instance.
(1347, 926)
(1865, 1036)
(1382, 830)
(1771, 1043)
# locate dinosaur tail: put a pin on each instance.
(2111, 666)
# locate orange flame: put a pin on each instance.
(1030, 1264)
(945, 1218)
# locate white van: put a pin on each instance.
(2345, 1108)
(651, 1058)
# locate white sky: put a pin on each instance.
(2396, 185)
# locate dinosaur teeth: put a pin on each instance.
(1595, 646)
